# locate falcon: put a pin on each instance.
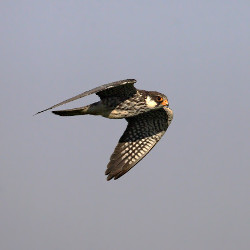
(146, 112)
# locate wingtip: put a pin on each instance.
(111, 176)
(39, 112)
(107, 172)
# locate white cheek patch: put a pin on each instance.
(150, 103)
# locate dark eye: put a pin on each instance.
(159, 98)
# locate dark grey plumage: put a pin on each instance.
(146, 112)
(120, 88)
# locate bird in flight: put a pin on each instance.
(146, 112)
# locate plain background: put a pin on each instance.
(191, 192)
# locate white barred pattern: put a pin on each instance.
(141, 135)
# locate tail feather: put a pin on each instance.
(71, 112)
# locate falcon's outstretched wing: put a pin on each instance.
(119, 88)
(141, 135)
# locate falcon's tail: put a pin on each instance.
(71, 112)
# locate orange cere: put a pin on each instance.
(165, 102)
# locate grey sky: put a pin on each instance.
(191, 192)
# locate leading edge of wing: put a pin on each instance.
(89, 92)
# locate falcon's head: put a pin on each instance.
(156, 100)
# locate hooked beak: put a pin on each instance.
(165, 103)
